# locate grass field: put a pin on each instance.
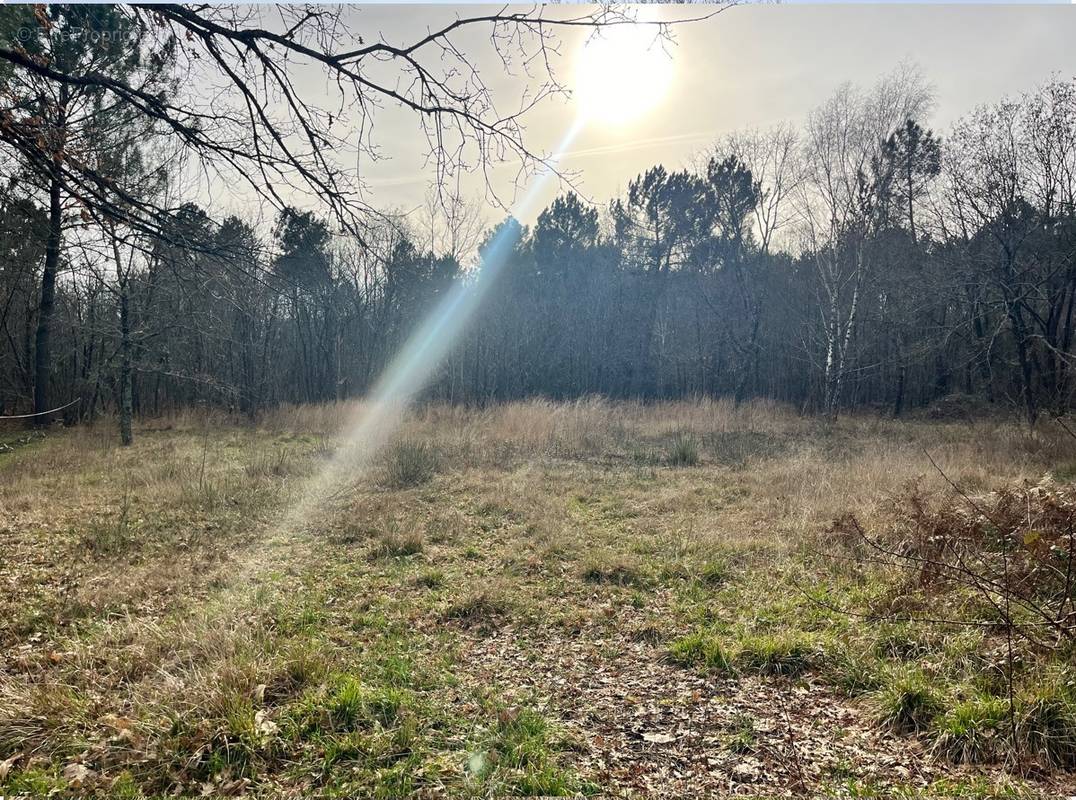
(531, 599)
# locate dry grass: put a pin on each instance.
(158, 583)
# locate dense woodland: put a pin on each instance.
(853, 259)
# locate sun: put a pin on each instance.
(622, 71)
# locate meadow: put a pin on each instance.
(581, 599)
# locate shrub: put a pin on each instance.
(409, 463)
(1017, 541)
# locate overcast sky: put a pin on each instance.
(751, 65)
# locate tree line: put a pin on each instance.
(857, 260)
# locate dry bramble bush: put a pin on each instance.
(1015, 548)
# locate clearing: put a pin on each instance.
(531, 599)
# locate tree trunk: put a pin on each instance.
(126, 388)
(898, 400)
(1016, 321)
(42, 353)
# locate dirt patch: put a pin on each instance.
(646, 727)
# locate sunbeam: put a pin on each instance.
(375, 421)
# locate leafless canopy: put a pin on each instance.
(240, 97)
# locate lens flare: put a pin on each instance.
(375, 421)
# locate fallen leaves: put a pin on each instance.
(658, 738)
(224, 787)
(653, 729)
(78, 775)
(7, 764)
(265, 726)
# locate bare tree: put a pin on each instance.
(449, 224)
(259, 126)
(838, 200)
(772, 156)
(1012, 177)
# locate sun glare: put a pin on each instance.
(621, 73)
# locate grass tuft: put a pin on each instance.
(701, 650)
(787, 653)
(477, 607)
(431, 579)
(714, 574)
(518, 758)
(269, 465)
(899, 642)
(397, 543)
(908, 702)
(107, 537)
(1046, 722)
(854, 673)
(683, 451)
(615, 570)
(409, 463)
(743, 738)
(972, 731)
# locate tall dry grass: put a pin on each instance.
(812, 467)
(803, 468)
(804, 459)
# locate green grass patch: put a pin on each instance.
(852, 671)
(701, 650)
(1046, 719)
(785, 652)
(430, 579)
(742, 737)
(909, 701)
(973, 731)
(518, 757)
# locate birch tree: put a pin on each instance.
(838, 202)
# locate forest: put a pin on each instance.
(854, 259)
